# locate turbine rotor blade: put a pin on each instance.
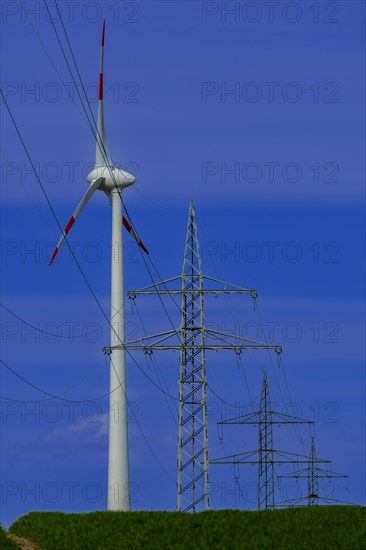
(90, 192)
(101, 157)
(134, 235)
(129, 228)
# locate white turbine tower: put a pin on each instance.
(109, 179)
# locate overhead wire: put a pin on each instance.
(40, 213)
(294, 426)
(72, 387)
(22, 3)
(121, 385)
(233, 318)
(158, 373)
(51, 396)
(45, 332)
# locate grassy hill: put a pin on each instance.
(332, 527)
(5, 543)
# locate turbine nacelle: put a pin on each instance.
(112, 177)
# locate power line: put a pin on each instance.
(30, 197)
(72, 387)
(141, 430)
(51, 396)
(45, 332)
(158, 371)
(295, 427)
(22, 3)
(83, 401)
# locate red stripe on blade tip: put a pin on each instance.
(126, 224)
(141, 244)
(103, 31)
(100, 88)
(53, 256)
(69, 224)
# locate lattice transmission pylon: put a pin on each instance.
(193, 488)
(265, 451)
(315, 474)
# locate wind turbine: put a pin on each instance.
(112, 181)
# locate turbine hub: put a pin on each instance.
(113, 177)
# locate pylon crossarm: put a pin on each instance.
(288, 419)
(299, 474)
(320, 472)
(225, 337)
(298, 457)
(247, 461)
(335, 500)
(305, 474)
(295, 501)
(326, 473)
(244, 419)
(251, 419)
(147, 348)
(134, 293)
(159, 337)
(233, 342)
(228, 288)
(236, 460)
(292, 502)
(152, 289)
(288, 458)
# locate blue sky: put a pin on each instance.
(297, 190)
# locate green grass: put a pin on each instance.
(5, 543)
(332, 527)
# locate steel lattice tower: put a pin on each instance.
(313, 473)
(193, 490)
(266, 464)
(313, 484)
